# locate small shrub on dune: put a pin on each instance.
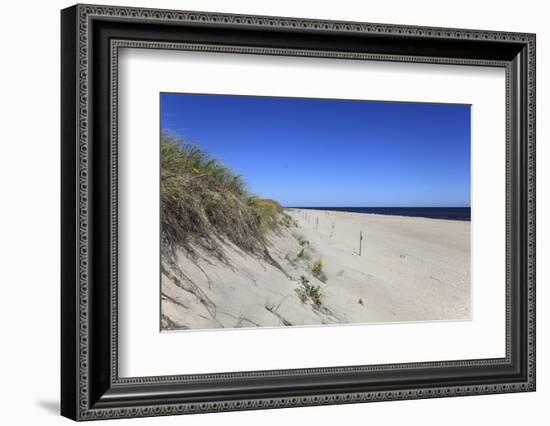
(315, 295)
(301, 240)
(317, 271)
(309, 291)
(302, 255)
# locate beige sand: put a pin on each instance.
(410, 269)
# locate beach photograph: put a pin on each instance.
(282, 212)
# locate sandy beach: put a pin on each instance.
(409, 269)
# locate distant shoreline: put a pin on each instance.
(462, 214)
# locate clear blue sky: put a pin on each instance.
(332, 153)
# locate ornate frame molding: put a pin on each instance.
(79, 25)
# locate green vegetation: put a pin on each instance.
(301, 240)
(267, 211)
(302, 255)
(204, 202)
(309, 291)
(317, 270)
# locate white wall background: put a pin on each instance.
(29, 213)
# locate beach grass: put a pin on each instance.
(317, 270)
(309, 291)
(204, 203)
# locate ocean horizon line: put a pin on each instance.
(445, 213)
(376, 207)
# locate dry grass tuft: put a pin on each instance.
(204, 203)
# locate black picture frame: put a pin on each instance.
(90, 386)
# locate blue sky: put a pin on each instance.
(332, 153)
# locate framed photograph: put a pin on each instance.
(264, 212)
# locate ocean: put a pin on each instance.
(448, 213)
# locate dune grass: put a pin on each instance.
(317, 271)
(267, 212)
(204, 203)
(309, 291)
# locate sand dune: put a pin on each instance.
(410, 269)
